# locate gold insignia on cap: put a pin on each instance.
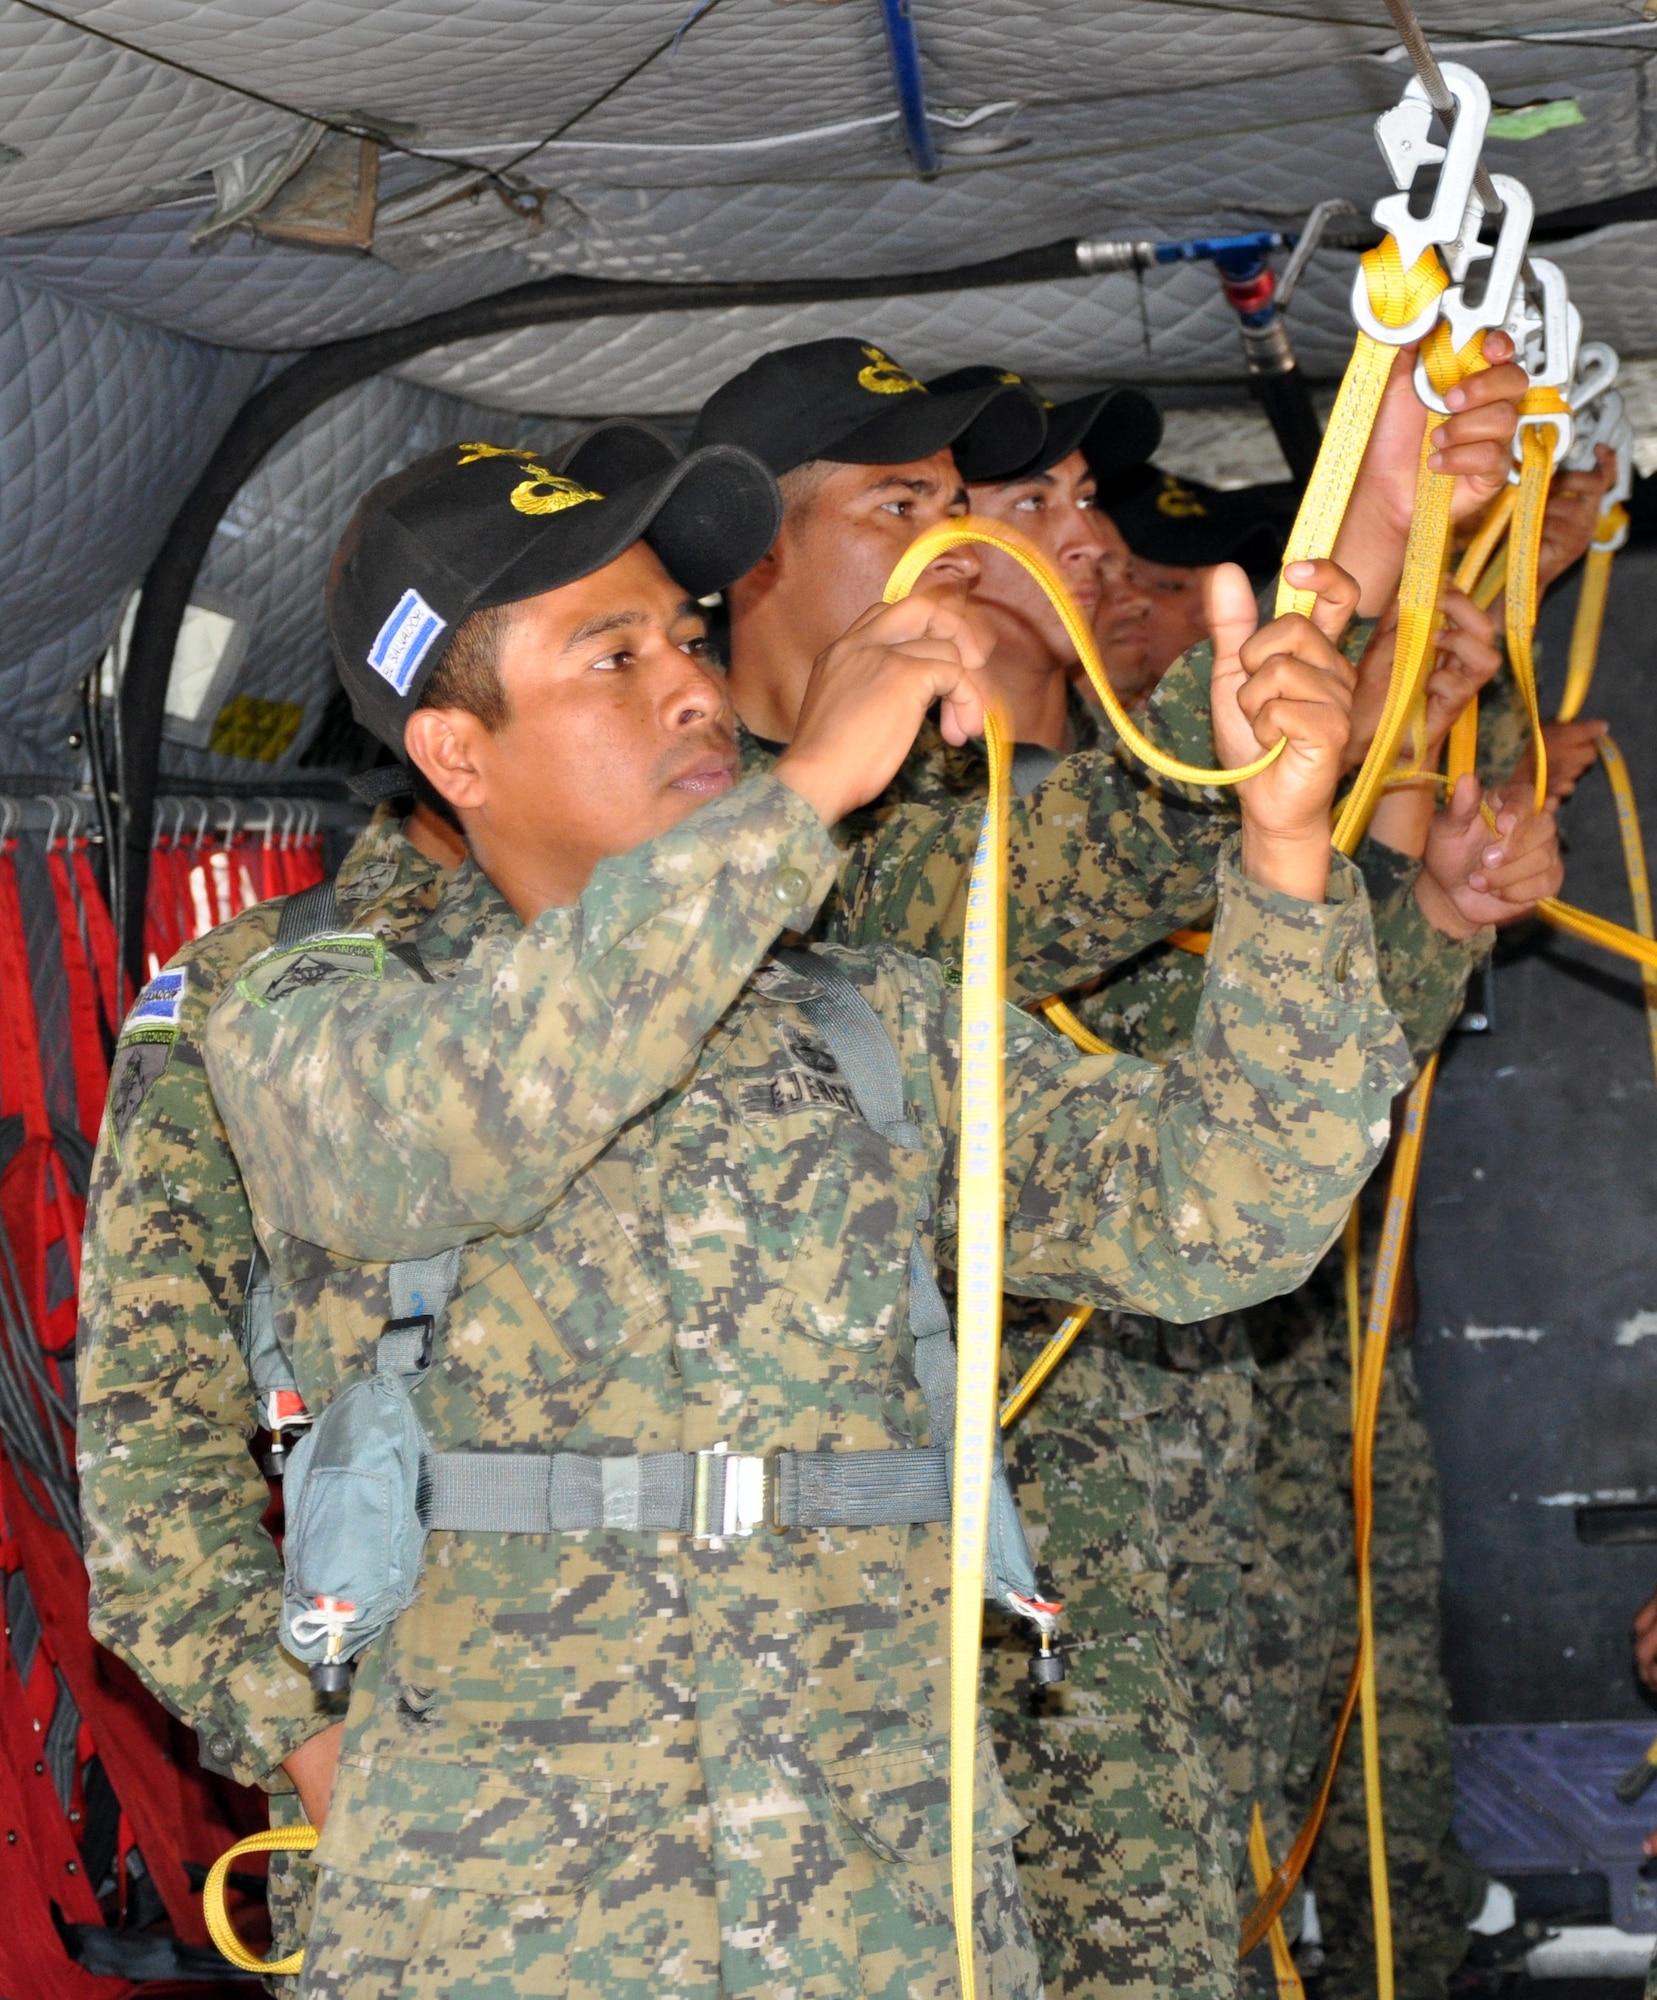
(883, 376)
(1012, 381)
(1178, 502)
(543, 492)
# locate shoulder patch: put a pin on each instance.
(140, 1062)
(317, 962)
(157, 1006)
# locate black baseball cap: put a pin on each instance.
(475, 525)
(1113, 429)
(848, 401)
(1189, 525)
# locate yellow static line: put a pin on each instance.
(274, 1840)
(1284, 1969)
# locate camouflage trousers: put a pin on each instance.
(1125, 1864)
(1303, 1478)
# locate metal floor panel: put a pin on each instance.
(1541, 1800)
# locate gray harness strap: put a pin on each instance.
(858, 1041)
(307, 914)
(304, 915)
(1031, 763)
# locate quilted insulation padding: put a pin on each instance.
(271, 553)
(104, 424)
(760, 141)
(1058, 333)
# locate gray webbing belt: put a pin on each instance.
(704, 1493)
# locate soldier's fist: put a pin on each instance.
(1286, 680)
(871, 689)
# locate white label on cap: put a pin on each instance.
(404, 640)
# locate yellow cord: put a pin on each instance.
(274, 1840)
(996, 535)
(1589, 622)
(1524, 550)
(1067, 1024)
(1284, 1969)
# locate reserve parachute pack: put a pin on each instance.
(364, 1487)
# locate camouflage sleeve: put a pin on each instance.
(186, 1584)
(382, 1115)
(1424, 974)
(1220, 1179)
(1102, 861)
(1504, 728)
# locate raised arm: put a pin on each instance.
(383, 1114)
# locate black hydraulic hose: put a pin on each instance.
(324, 372)
(1287, 401)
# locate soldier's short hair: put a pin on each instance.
(469, 674)
(801, 485)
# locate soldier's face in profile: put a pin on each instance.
(1055, 510)
(618, 726)
(842, 538)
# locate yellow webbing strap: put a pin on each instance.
(1599, 930)
(977, 1317)
(274, 1840)
(997, 535)
(1639, 881)
(1368, 1359)
(1058, 1346)
(1491, 585)
(1524, 549)
(1637, 944)
(1284, 1969)
(1371, 1357)
(1418, 594)
(1067, 1024)
(1590, 613)
(1493, 529)
(1396, 296)
(978, 1305)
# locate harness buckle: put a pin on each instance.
(1600, 418)
(732, 1493)
(1547, 334)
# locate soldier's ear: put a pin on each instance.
(442, 744)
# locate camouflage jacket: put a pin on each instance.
(1102, 860)
(677, 1231)
(1148, 1004)
(186, 1585)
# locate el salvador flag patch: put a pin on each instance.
(404, 640)
(157, 1006)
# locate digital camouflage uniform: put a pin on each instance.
(1104, 864)
(1301, 1634)
(728, 1761)
(186, 1584)
(1247, 1615)
(1435, 1888)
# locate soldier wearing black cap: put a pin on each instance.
(581, 1167)
(1172, 532)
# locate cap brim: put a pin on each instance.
(1004, 421)
(710, 518)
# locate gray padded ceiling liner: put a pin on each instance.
(738, 140)
(104, 424)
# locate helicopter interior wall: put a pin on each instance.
(1537, 1264)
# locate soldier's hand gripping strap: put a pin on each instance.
(352, 1551)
